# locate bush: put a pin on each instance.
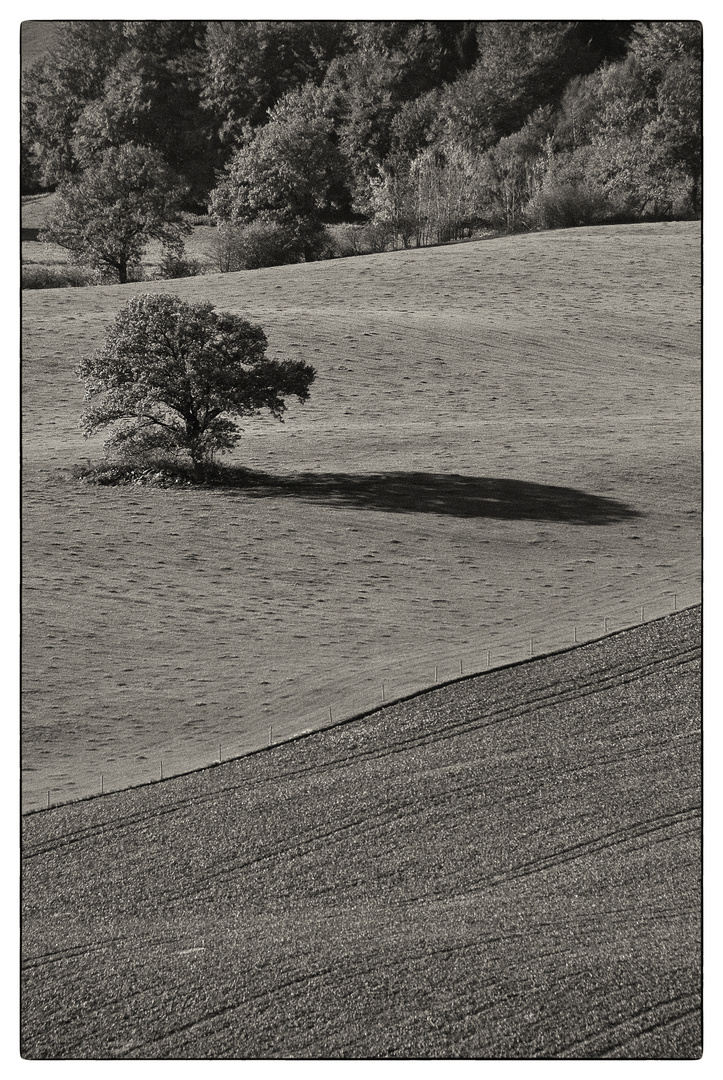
(157, 468)
(264, 243)
(57, 277)
(570, 195)
(321, 245)
(567, 204)
(227, 247)
(378, 235)
(347, 240)
(251, 247)
(364, 239)
(173, 265)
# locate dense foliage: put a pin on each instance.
(172, 379)
(421, 128)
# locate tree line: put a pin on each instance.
(417, 131)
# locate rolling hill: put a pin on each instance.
(501, 455)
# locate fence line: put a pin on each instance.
(390, 690)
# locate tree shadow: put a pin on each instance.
(434, 493)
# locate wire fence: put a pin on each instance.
(389, 684)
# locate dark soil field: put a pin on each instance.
(506, 867)
(501, 452)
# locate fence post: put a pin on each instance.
(606, 625)
(219, 753)
(161, 768)
(675, 601)
(48, 798)
(488, 658)
(383, 698)
(330, 716)
(435, 672)
(101, 784)
(642, 613)
(531, 650)
(574, 635)
(460, 668)
(271, 734)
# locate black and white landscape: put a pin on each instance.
(374, 733)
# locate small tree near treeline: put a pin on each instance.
(107, 216)
(172, 379)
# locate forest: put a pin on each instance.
(396, 133)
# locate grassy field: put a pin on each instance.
(502, 443)
(504, 868)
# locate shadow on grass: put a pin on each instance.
(433, 493)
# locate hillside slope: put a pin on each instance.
(503, 442)
(505, 867)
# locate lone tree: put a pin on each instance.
(107, 216)
(172, 378)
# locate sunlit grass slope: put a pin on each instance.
(502, 444)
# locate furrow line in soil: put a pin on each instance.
(585, 849)
(549, 696)
(582, 1048)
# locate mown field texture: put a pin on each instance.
(506, 867)
(502, 443)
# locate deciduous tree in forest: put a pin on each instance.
(315, 122)
(250, 66)
(291, 173)
(58, 87)
(522, 66)
(110, 83)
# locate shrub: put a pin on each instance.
(570, 193)
(227, 247)
(159, 469)
(263, 244)
(60, 277)
(347, 240)
(367, 238)
(251, 247)
(174, 265)
(567, 204)
(378, 235)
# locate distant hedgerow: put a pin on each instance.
(60, 277)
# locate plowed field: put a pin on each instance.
(502, 445)
(507, 867)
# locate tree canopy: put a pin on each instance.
(290, 173)
(174, 377)
(294, 124)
